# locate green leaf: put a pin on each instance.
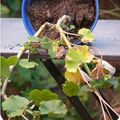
(86, 35)
(113, 81)
(70, 88)
(53, 107)
(4, 11)
(34, 39)
(88, 38)
(50, 46)
(45, 43)
(12, 60)
(26, 64)
(72, 27)
(85, 88)
(62, 42)
(76, 57)
(4, 68)
(53, 49)
(100, 84)
(15, 5)
(31, 48)
(83, 92)
(15, 106)
(42, 95)
(84, 32)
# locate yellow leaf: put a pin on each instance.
(74, 77)
(77, 56)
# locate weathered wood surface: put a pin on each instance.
(107, 37)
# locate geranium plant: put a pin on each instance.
(84, 72)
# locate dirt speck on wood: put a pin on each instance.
(41, 11)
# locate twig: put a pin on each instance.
(24, 117)
(38, 33)
(73, 34)
(62, 31)
(3, 94)
(103, 111)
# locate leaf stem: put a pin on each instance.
(87, 69)
(25, 118)
(29, 111)
(103, 111)
(38, 33)
(73, 34)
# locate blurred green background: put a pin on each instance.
(109, 9)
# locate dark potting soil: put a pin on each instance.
(41, 11)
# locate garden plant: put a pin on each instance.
(84, 72)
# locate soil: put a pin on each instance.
(41, 11)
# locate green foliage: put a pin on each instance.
(71, 115)
(38, 78)
(45, 104)
(86, 35)
(12, 60)
(70, 88)
(50, 46)
(15, 106)
(100, 84)
(84, 31)
(4, 68)
(32, 49)
(4, 10)
(76, 57)
(42, 95)
(5, 63)
(26, 64)
(10, 8)
(104, 83)
(72, 27)
(15, 5)
(52, 107)
(67, 28)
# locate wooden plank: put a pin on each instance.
(13, 35)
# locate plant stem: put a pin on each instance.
(58, 27)
(104, 115)
(73, 34)
(25, 118)
(30, 112)
(38, 33)
(4, 87)
(87, 69)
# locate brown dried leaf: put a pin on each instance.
(98, 71)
